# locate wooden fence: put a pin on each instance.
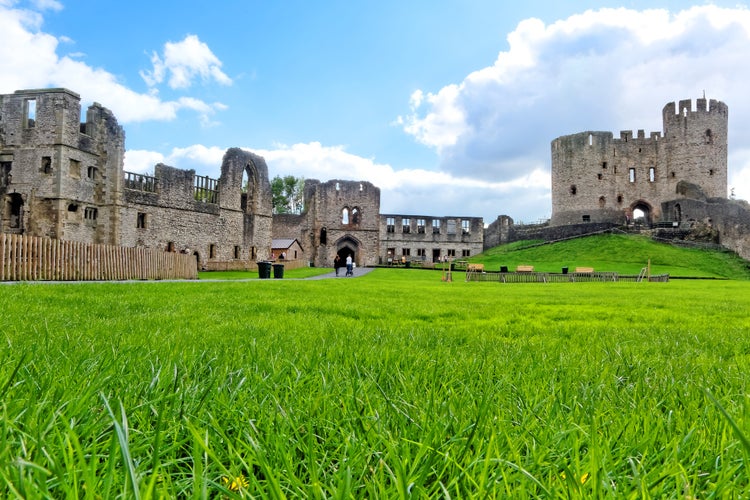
(536, 277)
(31, 258)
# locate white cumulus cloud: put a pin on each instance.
(184, 61)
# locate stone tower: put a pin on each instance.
(597, 178)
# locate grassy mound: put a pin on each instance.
(625, 254)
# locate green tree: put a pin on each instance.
(287, 193)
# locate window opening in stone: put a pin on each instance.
(5, 176)
(599, 176)
(586, 218)
(253, 253)
(72, 207)
(323, 236)
(711, 172)
(390, 224)
(338, 187)
(140, 222)
(406, 225)
(91, 173)
(631, 175)
(15, 205)
(355, 215)
(421, 252)
(345, 216)
(90, 213)
(604, 165)
(212, 251)
(451, 226)
(465, 253)
(237, 251)
(465, 226)
(406, 252)
(451, 252)
(709, 137)
(651, 174)
(591, 140)
(435, 226)
(619, 198)
(602, 201)
(170, 246)
(361, 187)
(46, 164)
(684, 112)
(573, 189)
(30, 108)
(420, 226)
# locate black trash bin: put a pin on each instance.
(565, 270)
(278, 271)
(264, 270)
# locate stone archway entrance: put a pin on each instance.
(347, 246)
(641, 213)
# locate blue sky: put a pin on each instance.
(449, 107)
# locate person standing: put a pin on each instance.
(337, 263)
(349, 269)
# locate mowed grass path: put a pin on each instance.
(389, 385)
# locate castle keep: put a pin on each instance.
(597, 178)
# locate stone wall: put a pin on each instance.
(429, 238)
(597, 178)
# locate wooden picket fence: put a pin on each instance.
(31, 258)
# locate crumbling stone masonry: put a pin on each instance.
(596, 178)
(64, 179)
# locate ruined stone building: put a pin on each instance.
(62, 177)
(674, 178)
(599, 178)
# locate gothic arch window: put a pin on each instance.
(345, 216)
(355, 215)
(323, 236)
(602, 201)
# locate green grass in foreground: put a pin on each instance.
(382, 386)
(625, 254)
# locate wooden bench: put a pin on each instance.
(588, 270)
(477, 268)
(525, 269)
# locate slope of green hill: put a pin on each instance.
(624, 254)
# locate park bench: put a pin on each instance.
(525, 269)
(585, 270)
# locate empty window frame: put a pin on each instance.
(586, 218)
(29, 107)
(420, 226)
(90, 213)
(465, 253)
(345, 216)
(631, 174)
(212, 251)
(405, 225)
(46, 164)
(237, 251)
(421, 252)
(651, 174)
(406, 252)
(451, 252)
(91, 173)
(435, 226)
(140, 221)
(465, 226)
(390, 224)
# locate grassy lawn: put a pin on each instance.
(624, 254)
(387, 385)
